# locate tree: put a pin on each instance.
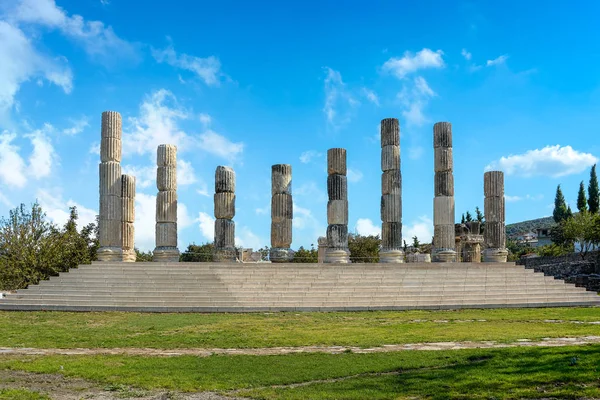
(468, 217)
(583, 229)
(569, 213)
(144, 256)
(416, 242)
(593, 192)
(364, 249)
(478, 215)
(195, 253)
(306, 256)
(462, 219)
(560, 206)
(581, 199)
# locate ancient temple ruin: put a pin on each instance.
(128, 217)
(281, 213)
(225, 250)
(494, 210)
(337, 208)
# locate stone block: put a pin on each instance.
(168, 254)
(110, 149)
(494, 235)
(128, 230)
(390, 132)
(281, 179)
(128, 186)
(391, 182)
(279, 255)
(442, 134)
(281, 207)
(337, 187)
(281, 233)
(224, 179)
(110, 254)
(495, 255)
(166, 234)
(443, 211)
(494, 209)
(224, 205)
(111, 125)
(110, 178)
(109, 232)
(166, 206)
(224, 234)
(390, 158)
(391, 235)
(391, 208)
(111, 207)
(337, 236)
(391, 256)
(336, 256)
(166, 155)
(444, 183)
(337, 212)
(128, 213)
(493, 184)
(443, 237)
(166, 178)
(336, 161)
(443, 160)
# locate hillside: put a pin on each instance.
(528, 226)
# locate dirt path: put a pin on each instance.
(546, 342)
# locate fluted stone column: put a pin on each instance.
(337, 208)
(224, 212)
(281, 213)
(128, 217)
(109, 224)
(391, 193)
(443, 203)
(494, 210)
(166, 204)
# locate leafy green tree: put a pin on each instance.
(364, 249)
(560, 206)
(593, 192)
(416, 242)
(198, 253)
(468, 217)
(569, 213)
(581, 199)
(306, 256)
(144, 256)
(583, 229)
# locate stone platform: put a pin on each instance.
(212, 287)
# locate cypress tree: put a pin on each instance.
(468, 217)
(462, 220)
(581, 199)
(478, 214)
(560, 206)
(569, 213)
(593, 192)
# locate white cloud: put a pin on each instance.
(78, 126)
(365, 227)
(553, 161)
(208, 69)
(311, 190)
(247, 239)
(354, 175)
(305, 220)
(144, 176)
(58, 211)
(205, 119)
(409, 63)
(308, 155)
(43, 155)
(415, 152)
(497, 61)
(414, 98)
(203, 189)
(512, 199)
(4, 200)
(185, 173)
(218, 145)
(145, 221)
(371, 96)
(12, 166)
(422, 228)
(466, 54)
(206, 223)
(339, 103)
(422, 87)
(95, 148)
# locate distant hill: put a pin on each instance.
(528, 226)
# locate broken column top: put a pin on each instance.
(493, 183)
(111, 124)
(336, 161)
(166, 155)
(127, 185)
(390, 132)
(281, 179)
(224, 179)
(442, 134)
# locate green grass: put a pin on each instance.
(364, 329)
(566, 372)
(21, 394)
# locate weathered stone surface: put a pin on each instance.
(495, 255)
(224, 234)
(109, 232)
(391, 208)
(166, 207)
(337, 236)
(475, 227)
(128, 217)
(390, 158)
(281, 207)
(224, 205)
(224, 180)
(443, 237)
(337, 212)
(110, 178)
(281, 179)
(444, 184)
(281, 233)
(337, 187)
(337, 256)
(110, 149)
(393, 256)
(494, 235)
(391, 182)
(390, 132)
(128, 209)
(322, 248)
(443, 211)
(494, 208)
(128, 235)
(336, 161)
(166, 155)
(129, 255)
(111, 207)
(280, 255)
(111, 124)
(110, 254)
(443, 159)
(493, 184)
(166, 178)
(166, 234)
(391, 235)
(165, 254)
(128, 186)
(442, 134)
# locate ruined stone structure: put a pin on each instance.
(281, 213)
(468, 242)
(391, 193)
(322, 248)
(337, 207)
(128, 217)
(110, 221)
(495, 230)
(224, 212)
(443, 204)
(166, 204)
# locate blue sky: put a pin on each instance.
(247, 85)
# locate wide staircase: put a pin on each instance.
(211, 287)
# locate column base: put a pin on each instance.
(110, 254)
(227, 255)
(495, 255)
(279, 255)
(337, 256)
(165, 254)
(129, 255)
(391, 256)
(444, 256)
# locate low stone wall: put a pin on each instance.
(571, 268)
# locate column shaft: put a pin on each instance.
(337, 208)
(128, 217)
(166, 204)
(494, 210)
(224, 212)
(282, 213)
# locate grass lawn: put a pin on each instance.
(566, 372)
(21, 394)
(363, 329)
